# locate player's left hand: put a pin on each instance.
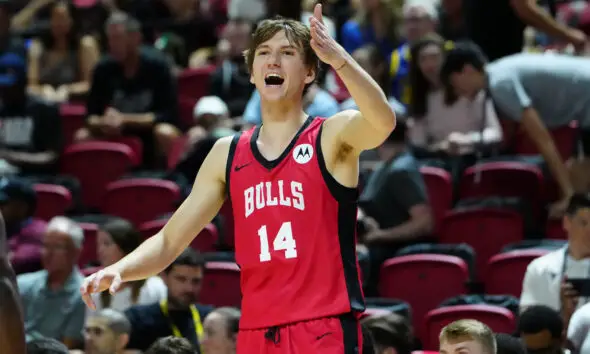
(325, 47)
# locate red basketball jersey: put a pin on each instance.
(295, 228)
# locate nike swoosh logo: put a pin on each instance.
(237, 168)
(323, 335)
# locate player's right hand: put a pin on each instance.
(98, 282)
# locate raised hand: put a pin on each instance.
(325, 47)
(98, 282)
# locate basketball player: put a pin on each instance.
(12, 329)
(292, 184)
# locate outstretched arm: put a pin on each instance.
(376, 120)
(12, 332)
(157, 252)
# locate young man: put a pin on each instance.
(292, 183)
(523, 90)
(467, 337)
(12, 331)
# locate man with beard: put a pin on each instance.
(179, 315)
(12, 333)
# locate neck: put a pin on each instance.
(60, 44)
(285, 111)
(578, 250)
(176, 305)
(131, 64)
(57, 279)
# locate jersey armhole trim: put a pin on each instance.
(230, 160)
(339, 191)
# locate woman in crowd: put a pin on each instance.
(115, 239)
(61, 63)
(221, 330)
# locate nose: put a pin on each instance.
(274, 60)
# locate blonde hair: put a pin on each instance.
(470, 329)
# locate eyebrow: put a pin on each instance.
(266, 46)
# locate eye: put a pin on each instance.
(263, 52)
(289, 52)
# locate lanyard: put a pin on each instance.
(194, 314)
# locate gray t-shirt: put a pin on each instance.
(556, 86)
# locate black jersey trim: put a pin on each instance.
(347, 239)
(230, 160)
(339, 191)
(274, 163)
(353, 343)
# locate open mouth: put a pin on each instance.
(273, 80)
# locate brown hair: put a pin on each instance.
(470, 330)
(127, 238)
(297, 33)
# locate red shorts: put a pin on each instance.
(329, 335)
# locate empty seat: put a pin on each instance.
(135, 144)
(221, 285)
(205, 241)
(72, 118)
(497, 318)
(564, 138)
(178, 148)
(52, 200)
(90, 270)
(95, 164)
(554, 230)
(194, 83)
(140, 199)
(506, 271)
(440, 191)
(88, 255)
(487, 231)
(416, 279)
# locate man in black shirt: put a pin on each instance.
(179, 315)
(30, 129)
(133, 92)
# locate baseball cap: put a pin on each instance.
(84, 3)
(13, 69)
(210, 105)
(17, 189)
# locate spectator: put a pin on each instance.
(171, 345)
(474, 336)
(451, 20)
(419, 21)
(376, 22)
(522, 88)
(25, 232)
(106, 332)
(251, 10)
(577, 331)
(507, 344)
(545, 280)
(231, 79)
(541, 329)
(116, 239)
(46, 346)
(56, 287)
(390, 333)
(373, 62)
(395, 203)
(317, 102)
(133, 92)
(444, 126)
(211, 116)
(30, 130)
(221, 331)
(61, 64)
(179, 315)
(8, 42)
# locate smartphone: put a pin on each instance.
(581, 285)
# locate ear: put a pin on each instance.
(310, 76)
(566, 223)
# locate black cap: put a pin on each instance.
(17, 189)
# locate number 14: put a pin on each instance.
(283, 241)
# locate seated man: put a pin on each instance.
(133, 92)
(106, 331)
(467, 336)
(171, 345)
(391, 334)
(56, 287)
(541, 329)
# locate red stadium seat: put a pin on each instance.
(221, 285)
(487, 231)
(140, 199)
(423, 281)
(564, 138)
(440, 191)
(90, 270)
(178, 148)
(206, 240)
(72, 118)
(186, 106)
(88, 254)
(506, 179)
(95, 164)
(554, 230)
(194, 83)
(227, 215)
(506, 271)
(134, 144)
(52, 200)
(497, 318)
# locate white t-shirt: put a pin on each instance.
(153, 290)
(578, 330)
(542, 280)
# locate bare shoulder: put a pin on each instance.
(336, 123)
(332, 139)
(216, 161)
